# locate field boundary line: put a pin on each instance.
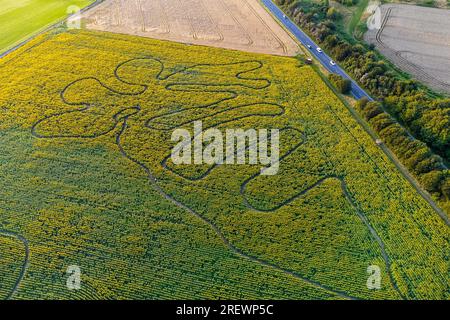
(121, 121)
(391, 156)
(47, 28)
(191, 25)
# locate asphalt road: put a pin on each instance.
(356, 91)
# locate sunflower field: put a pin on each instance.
(86, 120)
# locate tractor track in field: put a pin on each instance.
(165, 18)
(25, 263)
(407, 65)
(238, 23)
(142, 16)
(281, 44)
(189, 18)
(121, 123)
(213, 22)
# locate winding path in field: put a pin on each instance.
(358, 93)
(350, 200)
(121, 122)
(25, 263)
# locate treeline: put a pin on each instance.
(347, 2)
(427, 118)
(414, 154)
(343, 85)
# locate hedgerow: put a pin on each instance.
(86, 126)
(425, 117)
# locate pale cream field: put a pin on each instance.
(233, 24)
(417, 39)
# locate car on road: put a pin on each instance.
(319, 50)
(309, 46)
(332, 63)
(284, 16)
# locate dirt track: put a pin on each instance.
(233, 24)
(417, 39)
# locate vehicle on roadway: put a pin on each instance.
(309, 46)
(332, 63)
(284, 16)
(303, 38)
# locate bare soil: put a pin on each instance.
(233, 24)
(417, 40)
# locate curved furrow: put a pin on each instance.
(349, 199)
(153, 181)
(25, 263)
(122, 116)
(212, 167)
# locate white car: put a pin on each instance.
(309, 46)
(332, 63)
(284, 16)
(319, 50)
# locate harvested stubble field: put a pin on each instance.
(233, 24)
(416, 39)
(85, 127)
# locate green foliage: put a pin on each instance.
(332, 13)
(343, 85)
(83, 138)
(426, 118)
(348, 2)
(417, 157)
(20, 19)
(429, 122)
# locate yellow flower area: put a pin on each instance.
(86, 120)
